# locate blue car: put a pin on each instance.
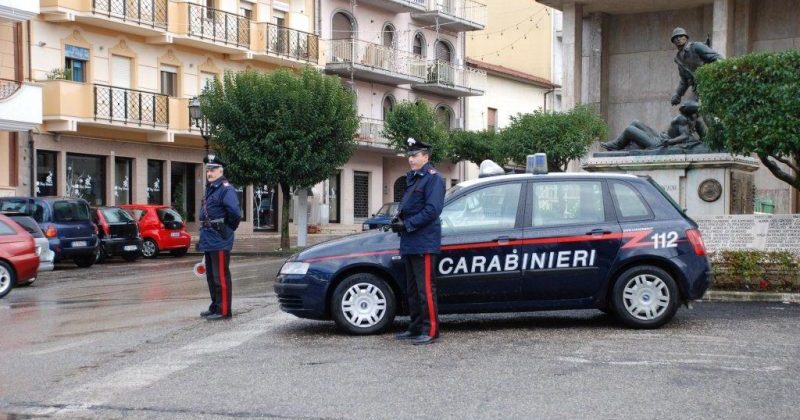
(65, 222)
(382, 218)
(515, 243)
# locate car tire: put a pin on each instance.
(645, 297)
(100, 255)
(177, 253)
(363, 304)
(85, 261)
(7, 278)
(130, 256)
(149, 248)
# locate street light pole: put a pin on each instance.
(199, 120)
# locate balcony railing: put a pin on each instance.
(376, 56)
(152, 13)
(448, 74)
(292, 43)
(370, 132)
(218, 25)
(8, 88)
(130, 106)
(468, 10)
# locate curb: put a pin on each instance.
(251, 254)
(729, 296)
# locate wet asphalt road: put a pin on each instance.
(125, 340)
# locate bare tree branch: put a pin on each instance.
(778, 172)
(786, 162)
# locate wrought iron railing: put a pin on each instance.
(376, 56)
(8, 88)
(468, 10)
(292, 43)
(152, 13)
(219, 25)
(448, 74)
(130, 106)
(370, 131)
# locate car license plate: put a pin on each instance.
(76, 244)
(175, 234)
(130, 247)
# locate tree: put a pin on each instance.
(417, 120)
(283, 128)
(752, 105)
(474, 146)
(562, 136)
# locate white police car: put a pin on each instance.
(513, 243)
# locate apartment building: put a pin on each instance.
(387, 52)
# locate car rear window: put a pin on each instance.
(70, 211)
(116, 215)
(29, 225)
(17, 205)
(5, 229)
(169, 215)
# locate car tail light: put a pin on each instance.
(51, 232)
(697, 241)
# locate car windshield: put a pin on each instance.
(70, 211)
(29, 225)
(169, 215)
(388, 209)
(116, 215)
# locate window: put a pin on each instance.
(169, 80)
(29, 225)
(445, 116)
(155, 171)
(210, 9)
(567, 202)
(169, 215)
(183, 189)
(630, 205)
(46, 180)
(76, 60)
(342, 27)
(115, 215)
(491, 119)
(5, 229)
(206, 80)
(70, 211)
(419, 44)
(487, 209)
(86, 178)
(444, 52)
(14, 205)
(388, 105)
(246, 9)
(388, 35)
(123, 174)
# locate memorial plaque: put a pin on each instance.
(759, 232)
(742, 193)
(710, 190)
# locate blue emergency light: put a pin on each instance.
(536, 164)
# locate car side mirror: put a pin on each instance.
(373, 214)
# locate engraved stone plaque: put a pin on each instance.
(742, 193)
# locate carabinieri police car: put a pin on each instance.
(513, 243)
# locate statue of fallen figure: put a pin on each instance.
(685, 134)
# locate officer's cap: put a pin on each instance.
(415, 146)
(678, 32)
(213, 161)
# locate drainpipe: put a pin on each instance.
(30, 68)
(32, 166)
(545, 97)
(318, 16)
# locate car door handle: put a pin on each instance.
(504, 239)
(598, 232)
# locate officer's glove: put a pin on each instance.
(676, 99)
(398, 226)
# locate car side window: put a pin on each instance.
(486, 209)
(567, 202)
(630, 205)
(5, 229)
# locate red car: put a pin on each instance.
(162, 229)
(18, 259)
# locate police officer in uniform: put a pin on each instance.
(219, 218)
(420, 232)
(690, 56)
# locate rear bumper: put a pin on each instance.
(117, 246)
(26, 266)
(64, 250)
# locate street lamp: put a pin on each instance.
(198, 120)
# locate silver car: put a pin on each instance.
(46, 255)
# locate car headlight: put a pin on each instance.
(294, 268)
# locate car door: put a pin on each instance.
(479, 261)
(571, 239)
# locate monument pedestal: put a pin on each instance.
(703, 184)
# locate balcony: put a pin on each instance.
(289, 47)
(216, 30)
(20, 105)
(18, 11)
(148, 18)
(374, 62)
(447, 79)
(130, 106)
(454, 15)
(370, 135)
(398, 6)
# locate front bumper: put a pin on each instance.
(299, 297)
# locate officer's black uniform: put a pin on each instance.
(219, 219)
(420, 238)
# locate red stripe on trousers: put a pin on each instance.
(429, 295)
(222, 283)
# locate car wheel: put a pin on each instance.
(363, 304)
(149, 248)
(130, 256)
(85, 261)
(100, 255)
(645, 297)
(7, 279)
(177, 253)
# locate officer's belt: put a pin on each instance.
(210, 223)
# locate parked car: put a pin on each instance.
(118, 233)
(46, 255)
(18, 260)
(162, 229)
(382, 218)
(64, 221)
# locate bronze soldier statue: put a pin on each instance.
(685, 132)
(690, 56)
